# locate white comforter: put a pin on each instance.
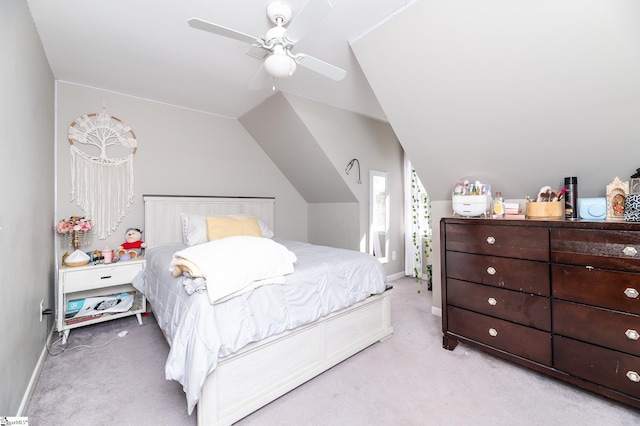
(325, 280)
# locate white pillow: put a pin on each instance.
(194, 228)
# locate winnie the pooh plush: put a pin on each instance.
(133, 244)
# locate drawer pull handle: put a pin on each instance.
(630, 251)
(633, 376)
(492, 301)
(491, 270)
(632, 293)
(105, 277)
(491, 240)
(632, 334)
(493, 332)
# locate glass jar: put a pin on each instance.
(498, 205)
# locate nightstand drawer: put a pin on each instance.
(99, 277)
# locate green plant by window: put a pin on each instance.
(421, 216)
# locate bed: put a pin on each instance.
(230, 380)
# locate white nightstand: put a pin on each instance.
(80, 282)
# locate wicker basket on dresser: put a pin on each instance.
(559, 297)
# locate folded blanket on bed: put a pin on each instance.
(234, 264)
(182, 266)
(194, 285)
(199, 285)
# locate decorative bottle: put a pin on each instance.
(571, 198)
(498, 205)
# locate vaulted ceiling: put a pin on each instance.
(519, 94)
(147, 49)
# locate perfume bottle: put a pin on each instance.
(498, 205)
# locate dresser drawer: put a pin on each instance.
(612, 249)
(616, 330)
(522, 243)
(99, 277)
(602, 366)
(597, 287)
(514, 274)
(523, 308)
(519, 340)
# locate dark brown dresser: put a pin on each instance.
(559, 297)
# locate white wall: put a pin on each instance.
(518, 94)
(343, 135)
(27, 201)
(180, 151)
(335, 225)
(312, 143)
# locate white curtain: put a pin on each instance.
(417, 222)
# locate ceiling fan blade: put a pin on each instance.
(260, 79)
(320, 67)
(310, 15)
(199, 24)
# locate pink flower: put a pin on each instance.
(74, 223)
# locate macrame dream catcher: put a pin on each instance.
(102, 186)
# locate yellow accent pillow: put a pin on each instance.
(227, 226)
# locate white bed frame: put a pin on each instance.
(265, 370)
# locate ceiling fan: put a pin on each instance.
(277, 43)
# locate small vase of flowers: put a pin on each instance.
(74, 230)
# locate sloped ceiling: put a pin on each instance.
(147, 49)
(519, 94)
(278, 129)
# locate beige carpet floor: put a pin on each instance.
(408, 379)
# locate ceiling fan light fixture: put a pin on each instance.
(280, 65)
(275, 48)
(279, 11)
(275, 33)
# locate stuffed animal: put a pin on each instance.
(134, 242)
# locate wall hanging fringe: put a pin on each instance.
(101, 186)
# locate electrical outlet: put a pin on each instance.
(41, 309)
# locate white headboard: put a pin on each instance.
(162, 213)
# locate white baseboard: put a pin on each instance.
(22, 409)
(436, 311)
(396, 276)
